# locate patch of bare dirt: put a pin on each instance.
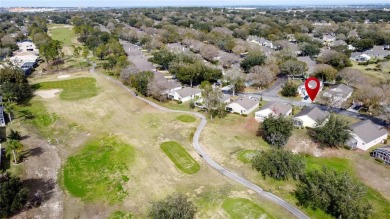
(42, 164)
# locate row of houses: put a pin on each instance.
(26, 57)
(377, 52)
(364, 134)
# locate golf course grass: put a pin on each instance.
(246, 155)
(73, 89)
(180, 157)
(335, 163)
(62, 33)
(186, 118)
(240, 208)
(99, 170)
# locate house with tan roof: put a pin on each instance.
(243, 105)
(310, 117)
(274, 109)
(365, 134)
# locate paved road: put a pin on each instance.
(271, 97)
(207, 158)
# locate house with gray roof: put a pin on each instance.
(185, 94)
(377, 52)
(310, 117)
(338, 43)
(328, 38)
(338, 93)
(243, 105)
(274, 109)
(309, 62)
(365, 134)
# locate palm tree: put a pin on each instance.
(9, 108)
(13, 147)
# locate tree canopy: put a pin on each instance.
(253, 59)
(276, 130)
(338, 194)
(333, 134)
(13, 84)
(176, 206)
(279, 164)
(13, 195)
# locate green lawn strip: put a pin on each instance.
(186, 118)
(243, 208)
(37, 115)
(120, 215)
(246, 155)
(62, 34)
(73, 89)
(335, 163)
(180, 157)
(99, 170)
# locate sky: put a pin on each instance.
(148, 3)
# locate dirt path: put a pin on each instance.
(42, 164)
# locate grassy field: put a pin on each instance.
(99, 170)
(73, 89)
(186, 118)
(180, 157)
(241, 208)
(246, 155)
(378, 75)
(152, 175)
(62, 33)
(335, 163)
(120, 215)
(239, 139)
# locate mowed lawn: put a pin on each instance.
(62, 33)
(73, 89)
(99, 171)
(180, 157)
(242, 208)
(186, 118)
(246, 156)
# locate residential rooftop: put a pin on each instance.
(314, 113)
(367, 130)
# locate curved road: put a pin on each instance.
(207, 158)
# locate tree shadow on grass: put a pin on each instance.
(40, 191)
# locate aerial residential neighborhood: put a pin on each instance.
(181, 110)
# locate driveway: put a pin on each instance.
(137, 57)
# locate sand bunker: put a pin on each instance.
(63, 76)
(47, 93)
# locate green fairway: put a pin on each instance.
(335, 163)
(246, 155)
(180, 157)
(73, 89)
(242, 208)
(99, 170)
(62, 33)
(186, 118)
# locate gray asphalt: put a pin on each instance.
(293, 210)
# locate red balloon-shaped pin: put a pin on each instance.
(312, 86)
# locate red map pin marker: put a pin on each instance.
(312, 86)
